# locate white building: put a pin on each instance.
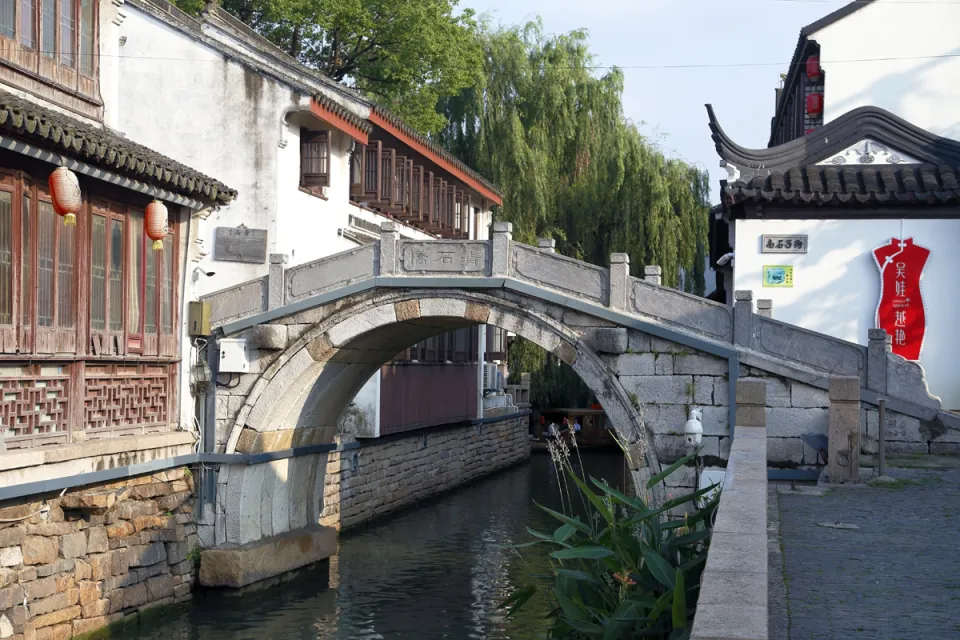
(316, 166)
(860, 157)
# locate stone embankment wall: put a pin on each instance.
(95, 556)
(392, 472)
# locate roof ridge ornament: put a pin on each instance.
(869, 152)
(733, 173)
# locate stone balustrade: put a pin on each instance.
(764, 347)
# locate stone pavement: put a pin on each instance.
(895, 576)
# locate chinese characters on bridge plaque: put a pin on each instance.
(900, 311)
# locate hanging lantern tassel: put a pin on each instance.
(156, 223)
(65, 193)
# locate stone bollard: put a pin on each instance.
(765, 308)
(743, 317)
(619, 281)
(843, 446)
(275, 287)
(751, 403)
(389, 236)
(653, 274)
(879, 344)
(547, 244)
(500, 248)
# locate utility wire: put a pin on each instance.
(702, 65)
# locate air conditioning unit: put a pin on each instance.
(490, 377)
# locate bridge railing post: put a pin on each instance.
(500, 243)
(653, 274)
(742, 318)
(547, 244)
(619, 281)
(275, 286)
(879, 344)
(843, 436)
(389, 237)
(765, 308)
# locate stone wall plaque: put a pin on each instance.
(783, 244)
(239, 244)
(467, 257)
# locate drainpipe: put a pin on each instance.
(208, 404)
(481, 360)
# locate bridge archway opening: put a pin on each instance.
(339, 347)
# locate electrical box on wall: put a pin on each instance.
(233, 356)
(198, 319)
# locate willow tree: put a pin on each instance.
(550, 130)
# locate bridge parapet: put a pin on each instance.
(763, 342)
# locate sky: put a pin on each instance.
(668, 103)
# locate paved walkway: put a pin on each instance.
(895, 576)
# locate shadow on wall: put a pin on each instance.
(906, 94)
(836, 287)
(839, 271)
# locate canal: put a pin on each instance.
(436, 570)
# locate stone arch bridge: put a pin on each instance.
(318, 331)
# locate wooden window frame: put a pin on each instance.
(109, 341)
(24, 337)
(139, 340)
(315, 182)
(51, 67)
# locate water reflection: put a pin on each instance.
(435, 571)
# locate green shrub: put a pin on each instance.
(630, 570)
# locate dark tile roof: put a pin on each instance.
(868, 185)
(339, 110)
(440, 151)
(791, 173)
(101, 148)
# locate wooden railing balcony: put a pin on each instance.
(399, 187)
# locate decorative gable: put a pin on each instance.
(869, 151)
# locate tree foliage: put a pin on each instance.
(551, 132)
(406, 55)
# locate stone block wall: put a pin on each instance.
(392, 472)
(95, 556)
(796, 409)
(665, 380)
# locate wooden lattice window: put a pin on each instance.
(314, 159)
(34, 408)
(127, 399)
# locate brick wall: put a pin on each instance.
(399, 470)
(98, 555)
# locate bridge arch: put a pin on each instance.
(316, 376)
(333, 349)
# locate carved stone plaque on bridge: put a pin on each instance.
(240, 245)
(470, 257)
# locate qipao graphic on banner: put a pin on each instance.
(900, 311)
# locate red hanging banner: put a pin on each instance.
(900, 311)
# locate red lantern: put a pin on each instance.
(65, 193)
(156, 223)
(814, 104)
(813, 67)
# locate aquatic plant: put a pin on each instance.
(629, 569)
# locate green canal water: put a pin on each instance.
(436, 570)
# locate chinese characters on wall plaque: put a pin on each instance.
(900, 311)
(778, 275)
(783, 244)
